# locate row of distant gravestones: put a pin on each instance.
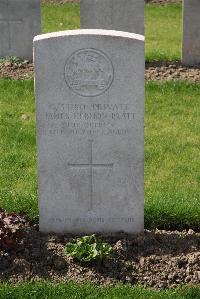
(20, 21)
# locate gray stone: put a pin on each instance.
(191, 32)
(19, 22)
(123, 15)
(89, 87)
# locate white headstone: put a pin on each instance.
(124, 15)
(19, 23)
(191, 32)
(89, 87)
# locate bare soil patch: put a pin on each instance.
(154, 71)
(166, 71)
(23, 70)
(159, 258)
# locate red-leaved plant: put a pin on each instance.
(9, 223)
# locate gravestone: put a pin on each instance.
(191, 32)
(19, 23)
(89, 87)
(123, 15)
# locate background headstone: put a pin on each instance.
(191, 32)
(19, 22)
(123, 15)
(90, 101)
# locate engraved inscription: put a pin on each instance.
(89, 72)
(92, 220)
(91, 165)
(92, 119)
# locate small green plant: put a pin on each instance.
(11, 59)
(87, 249)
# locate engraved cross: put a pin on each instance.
(91, 166)
(10, 22)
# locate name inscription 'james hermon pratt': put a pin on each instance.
(89, 88)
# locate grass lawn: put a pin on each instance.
(43, 290)
(172, 164)
(172, 155)
(163, 27)
(18, 150)
(57, 17)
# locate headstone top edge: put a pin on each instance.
(95, 32)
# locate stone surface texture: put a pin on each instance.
(191, 32)
(90, 106)
(123, 15)
(20, 21)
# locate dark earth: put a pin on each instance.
(157, 258)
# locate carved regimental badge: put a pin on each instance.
(89, 72)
